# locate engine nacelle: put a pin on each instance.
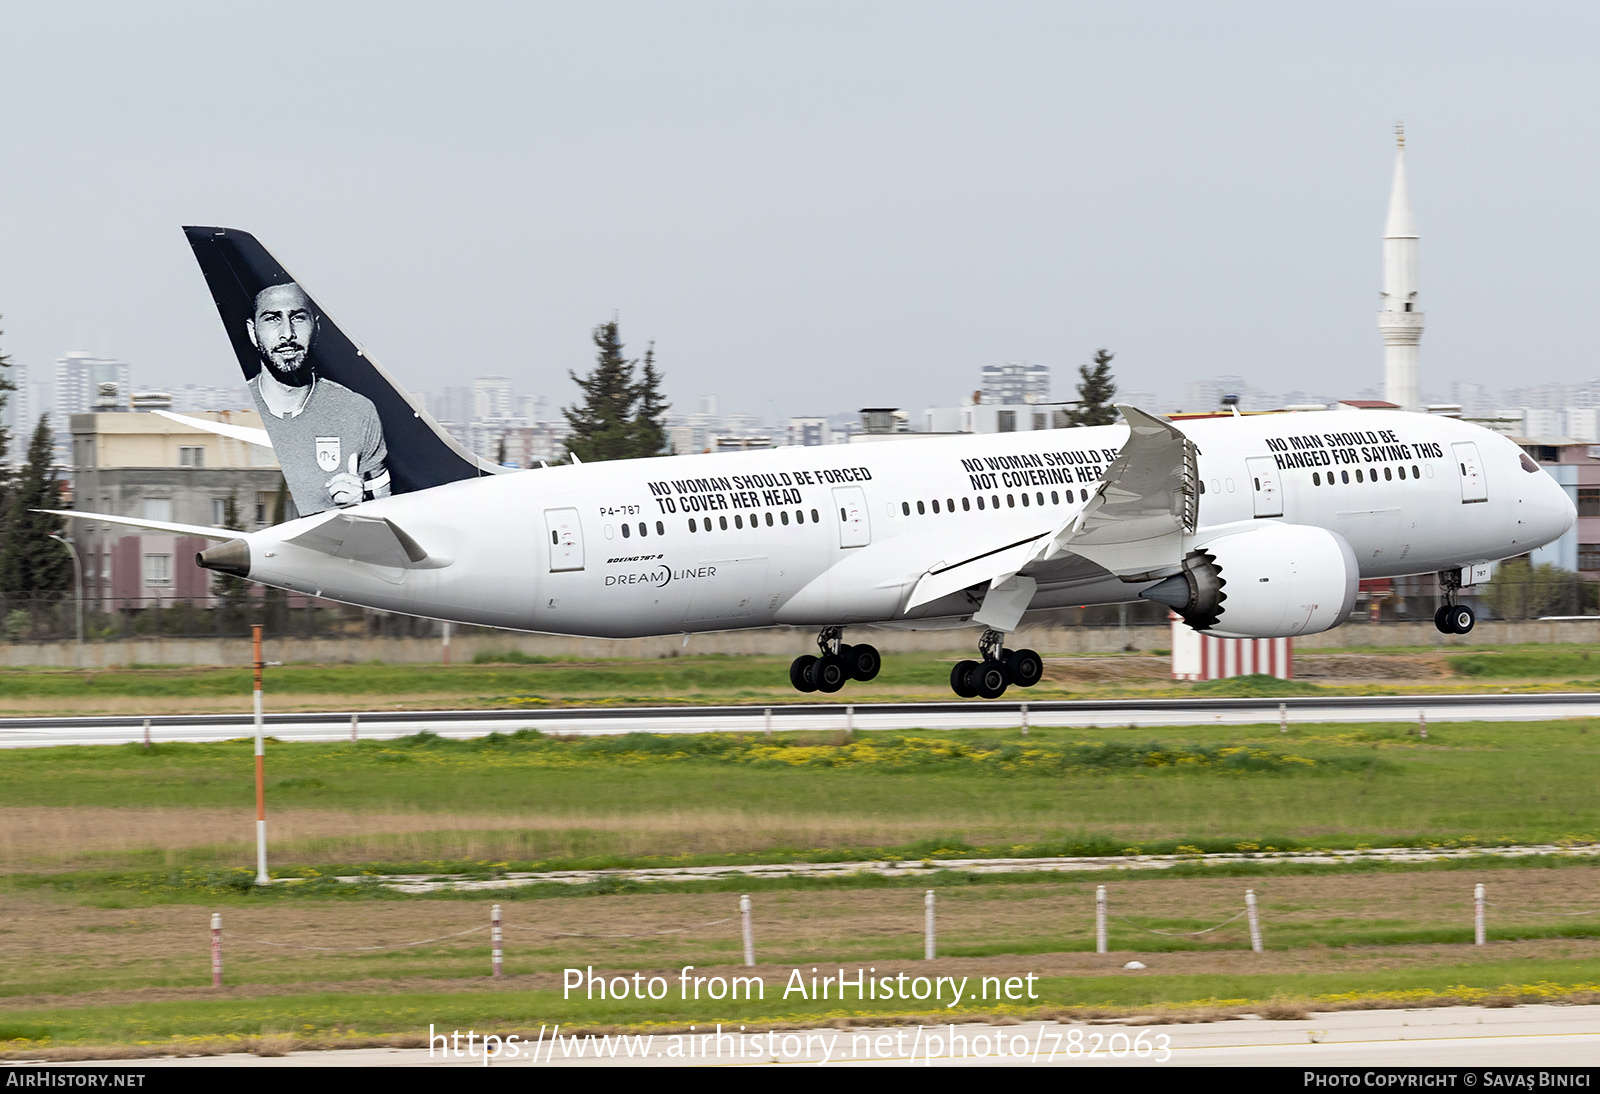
(1265, 581)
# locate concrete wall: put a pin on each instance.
(776, 641)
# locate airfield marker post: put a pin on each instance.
(928, 943)
(355, 727)
(1422, 724)
(849, 720)
(147, 735)
(749, 935)
(1477, 915)
(261, 767)
(1100, 919)
(216, 949)
(447, 629)
(767, 721)
(1283, 717)
(497, 957)
(1255, 920)
(1024, 719)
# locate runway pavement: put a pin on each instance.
(587, 721)
(1536, 1036)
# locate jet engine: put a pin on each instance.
(1265, 581)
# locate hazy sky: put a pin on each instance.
(811, 207)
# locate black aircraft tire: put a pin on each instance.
(958, 680)
(1462, 619)
(988, 679)
(829, 674)
(800, 673)
(1444, 620)
(1025, 668)
(864, 662)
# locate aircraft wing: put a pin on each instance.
(1133, 526)
(222, 429)
(152, 525)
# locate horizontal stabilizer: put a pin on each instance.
(152, 525)
(374, 540)
(245, 433)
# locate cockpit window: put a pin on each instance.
(1528, 465)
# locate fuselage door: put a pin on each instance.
(1473, 486)
(851, 501)
(1268, 494)
(565, 539)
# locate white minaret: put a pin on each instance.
(1400, 321)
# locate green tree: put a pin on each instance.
(1096, 389)
(649, 430)
(1521, 590)
(7, 386)
(619, 417)
(233, 592)
(30, 561)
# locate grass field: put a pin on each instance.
(113, 858)
(524, 681)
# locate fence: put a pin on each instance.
(1250, 912)
(45, 617)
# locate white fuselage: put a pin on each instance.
(836, 535)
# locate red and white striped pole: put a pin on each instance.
(216, 949)
(261, 768)
(497, 953)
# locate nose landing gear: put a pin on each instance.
(835, 664)
(1452, 617)
(998, 668)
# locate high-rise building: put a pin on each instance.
(492, 397)
(1016, 383)
(1400, 321)
(79, 385)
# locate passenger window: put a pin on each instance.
(921, 509)
(905, 508)
(625, 532)
(1055, 497)
(966, 505)
(1358, 474)
(1024, 501)
(1085, 494)
(994, 501)
(1387, 475)
(950, 505)
(644, 529)
(1345, 475)
(738, 521)
(1401, 471)
(784, 517)
(691, 524)
(935, 505)
(1316, 479)
(1258, 484)
(800, 516)
(769, 520)
(1039, 497)
(1011, 502)
(842, 514)
(661, 528)
(1202, 486)
(1416, 472)
(723, 521)
(814, 518)
(980, 501)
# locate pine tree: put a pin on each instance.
(233, 592)
(1095, 392)
(7, 385)
(618, 419)
(30, 561)
(649, 434)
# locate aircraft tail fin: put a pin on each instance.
(344, 431)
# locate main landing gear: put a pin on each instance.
(998, 668)
(1452, 617)
(835, 664)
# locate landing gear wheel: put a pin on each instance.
(1025, 668)
(862, 661)
(829, 674)
(1461, 619)
(800, 673)
(958, 679)
(1441, 620)
(988, 679)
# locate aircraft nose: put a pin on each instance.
(1554, 513)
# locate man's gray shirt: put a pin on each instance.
(316, 444)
